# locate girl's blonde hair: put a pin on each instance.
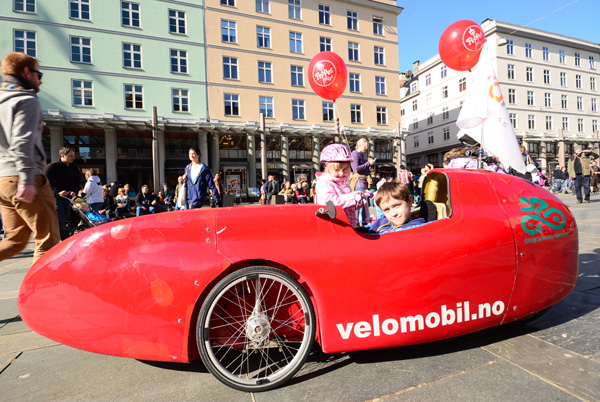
(330, 167)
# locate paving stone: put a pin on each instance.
(581, 335)
(561, 367)
(17, 325)
(8, 311)
(19, 342)
(6, 359)
(65, 374)
(498, 381)
(10, 283)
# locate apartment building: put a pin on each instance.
(105, 65)
(549, 83)
(258, 54)
(210, 68)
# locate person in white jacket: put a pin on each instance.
(93, 190)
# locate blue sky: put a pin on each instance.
(422, 22)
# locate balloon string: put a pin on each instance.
(336, 113)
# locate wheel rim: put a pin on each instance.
(257, 330)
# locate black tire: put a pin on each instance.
(252, 346)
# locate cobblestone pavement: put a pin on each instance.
(556, 358)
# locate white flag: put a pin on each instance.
(484, 116)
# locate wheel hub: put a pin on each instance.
(258, 328)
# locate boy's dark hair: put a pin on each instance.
(395, 190)
(65, 150)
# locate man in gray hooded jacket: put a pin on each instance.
(26, 200)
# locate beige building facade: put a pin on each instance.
(258, 53)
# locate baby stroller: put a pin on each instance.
(88, 218)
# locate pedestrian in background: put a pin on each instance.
(26, 200)
(198, 178)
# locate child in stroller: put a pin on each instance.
(89, 218)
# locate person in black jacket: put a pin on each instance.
(65, 180)
(145, 202)
(108, 207)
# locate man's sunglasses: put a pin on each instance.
(40, 75)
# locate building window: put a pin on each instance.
(594, 105)
(561, 56)
(592, 63)
(529, 74)
(82, 93)
(428, 99)
(294, 9)
(181, 100)
(530, 98)
(355, 113)
(353, 54)
(230, 3)
(545, 53)
(130, 14)
(263, 37)
(565, 124)
(547, 77)
(593, 83)
(580, 125)
(513, 119)
(549, 123)
(415, 123)
(378, 26)
(25, 42)
(577, 60)
(132, 55)
(563, 79)
(262, 6)
(382, 116)
(429, 119)
(380, 88)
(179, 61)
(564, 102)
(266, 106)
(414, 105)
(533, 148)
(295, 42)
(427, 79)
(416, 141)
(265, 72)
(548, 99)
(352, 20)
(134, 97)
(445, 113)
(578, 81)
(177, 22)
(297, 76)
(324, 15)
(445, 92)
(232, 104)
(228, 31)
(325, 44)
(462, 85)
(81, 50)
(413, 87)
(354, 80)
(510, 71)
(430, 139)
(25, 6)
(230, 68)
(379, 56)
(512, 96)
(446, 133)
(580, 103)
(327, 111)
(298, 109)
(510, 47)
(531, 121)
(528, 50)
(594, 125)
(79, 9)
(443, 71)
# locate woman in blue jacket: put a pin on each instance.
(198, 177)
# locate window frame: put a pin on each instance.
(232, 65)
(379, 55)
(356, 113)
(324, 14)
(81, 46)
(380, 85)
(266, 69)
(25, 6)
(295, 9)
(131, 13)
(265, 107)
(181, 99)
(381, 115)
(79, 9)
(82, 89)
(262, 4)
(327, 110)
(298, 109)
(228, 29)
(297, 39)
(134, 93)
(264, 36)
(179, 22)
(132, 53)
(181, 58)
(26, 41)
(353, 52)
(297, 75)
(232, 102)
(352, 20)
(354, 82)
(324, 44)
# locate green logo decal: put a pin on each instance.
(532, 223)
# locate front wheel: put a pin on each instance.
(256, 329)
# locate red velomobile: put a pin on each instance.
(230, 286)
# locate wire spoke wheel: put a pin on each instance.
(256, 329)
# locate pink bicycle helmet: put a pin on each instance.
(336, 153)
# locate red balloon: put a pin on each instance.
(460, 45)
(327, 75)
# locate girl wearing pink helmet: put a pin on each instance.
(332, 184)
